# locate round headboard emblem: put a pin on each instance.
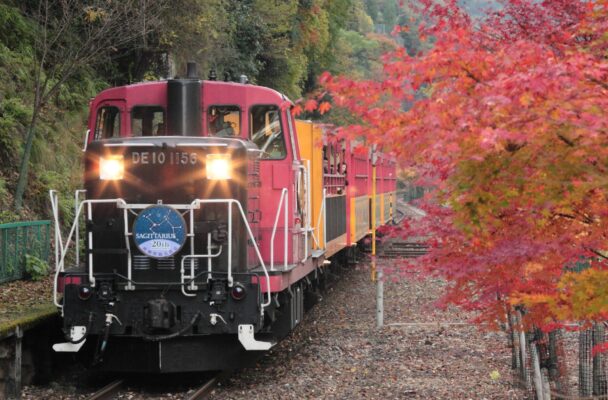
(159, 231)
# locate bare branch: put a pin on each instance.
(74, 35)
(565, 139)
(597, 253)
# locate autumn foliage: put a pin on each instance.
(506, 117)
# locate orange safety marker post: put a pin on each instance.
(373, 267)
(376, 272)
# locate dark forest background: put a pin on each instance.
(57, 54)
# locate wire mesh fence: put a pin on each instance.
(18, 240)
(560, 364)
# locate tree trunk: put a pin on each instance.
(25, 160)
(585, 363)
(538, 380)
(599, 374)
(515, 352)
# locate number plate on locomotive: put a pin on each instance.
(161, 158)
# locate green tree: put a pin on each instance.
(409, 29)
(72, 37)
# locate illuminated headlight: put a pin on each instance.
(111, 168)
(218, 166)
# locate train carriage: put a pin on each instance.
(209, 216)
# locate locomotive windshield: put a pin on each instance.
(266, 131)
(224, 121)
(108, 123)
(147, 121)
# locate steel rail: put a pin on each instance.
(205, 389)
(109, 391)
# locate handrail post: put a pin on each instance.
(54, 206)
(230, 280)
(274, 228)
(77, 222)
(56, 223)
(208, 256)
(324, 220)
(306, 222)
(317, 228)
(286, 230)
(128, 247)
(257, 251)
(90, 218)
(209, 264)
(191, 234)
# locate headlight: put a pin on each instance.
(218, 166)
(111, 168)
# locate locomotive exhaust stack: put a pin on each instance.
(184, 104)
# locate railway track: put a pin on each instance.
(112, 390)
(205, 389)
(402, 249)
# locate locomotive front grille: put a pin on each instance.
(141, 262)
(165, 263)
(191, 261)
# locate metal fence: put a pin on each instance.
(559, 365)
(410, 193)
(18, 240)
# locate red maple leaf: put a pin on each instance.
(310, 105)
(324, 107)
(296, 110)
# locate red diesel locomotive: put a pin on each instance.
(209, 215)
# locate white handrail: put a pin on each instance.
(197, 203)
(309, 228)
(58, 243)
(230, 281)
(128, 247)
(284, 197)
(61, 248)
(191, 235)
(58, 239)
(322, 213)
(59, 264)
(77, 222)
(312, 230)
(209, 265)
(306, 221)
(285, 231)
(90, 242)
(324, 219)
(208, 256)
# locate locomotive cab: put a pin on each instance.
(172, 219)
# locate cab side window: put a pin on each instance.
(266, 132)
(224, 121)
(148, 121)
(108, 123)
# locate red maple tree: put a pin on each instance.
(505, 117)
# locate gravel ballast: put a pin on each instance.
(338, 353)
